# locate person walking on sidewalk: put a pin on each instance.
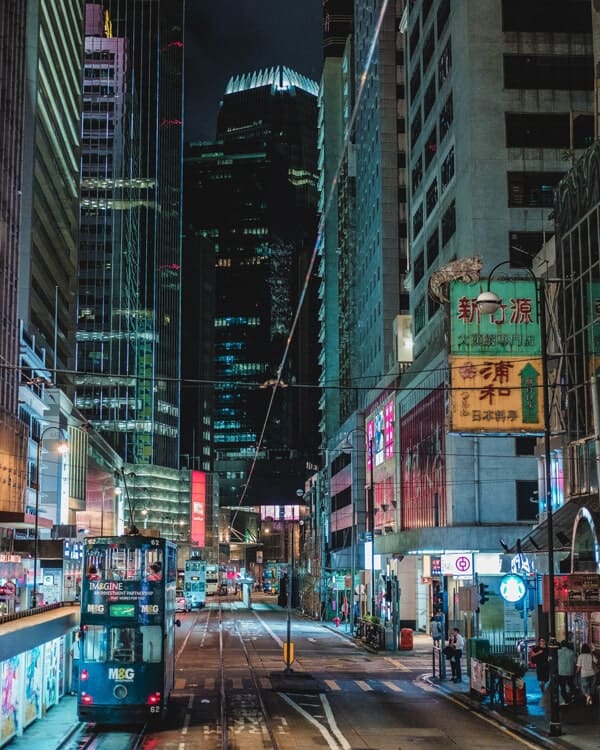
(539, 656)
(436, 630)
(566, 672)
(587, 673)
(458, 642)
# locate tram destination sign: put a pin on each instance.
(576, 592)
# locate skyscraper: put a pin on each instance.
(253, 195)
(129, 299)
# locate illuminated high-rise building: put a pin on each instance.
(129, 297)
(252, 194)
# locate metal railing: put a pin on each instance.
(504, 688)
(34, 611)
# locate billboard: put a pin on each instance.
(198, 509)
(380, 429)
(495, 360)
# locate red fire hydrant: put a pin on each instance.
(337, 621)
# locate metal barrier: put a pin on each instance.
(35, 611)
(504, 688)
(438, 663)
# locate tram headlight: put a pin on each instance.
(153, 699)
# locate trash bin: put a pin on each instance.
(406, 639)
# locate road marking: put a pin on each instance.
(398, 664)
(392, 686)
(327, 736)
(265, 683)
(238, 683)
(209, 683)
(363, 685)
(332, 722)
(312, 640)
(332, 685)
(180, 683)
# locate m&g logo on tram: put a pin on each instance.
(121, 674)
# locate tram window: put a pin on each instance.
(94, 643)
(151, 643)
(122, 645)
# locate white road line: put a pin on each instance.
(392, 686)
(398, 664)
(332, 722)
(363, 685)
(332, 685)
(327, 736)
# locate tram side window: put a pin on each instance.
(151, 643)
(94, 643)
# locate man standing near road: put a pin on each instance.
(458, 642)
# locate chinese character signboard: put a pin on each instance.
(495, 363)
(576, 592)
(198, 509)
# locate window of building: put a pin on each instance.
(401, 159)
(415, 128)
(418, 268)
(415, 83)
(448, 224)
(523, 246)
(429, 98)
(527, 500)
(431, 197)
(443, 14)
(525, 446)
(583, 131)
(446, 117)
(433, 247)
(419, 316)
(428, 48)
(417, 174)
(444, 64)
(537, 130)
(400, 92)
(430, 146)
(569, 72)
(566, 16)
(532, 189)
(418, 220)
(447, 170)
(415, 35)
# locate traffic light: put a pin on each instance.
(483, 593)
(440, 601)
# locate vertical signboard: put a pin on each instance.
(198, 509)
(495, 360)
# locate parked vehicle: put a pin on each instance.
(181, 603)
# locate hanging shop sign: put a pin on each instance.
(512, 588)
(576, 592)
(457, 564)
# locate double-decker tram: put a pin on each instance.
(127, 629)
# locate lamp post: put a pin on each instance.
(488, 303)
(62, 448)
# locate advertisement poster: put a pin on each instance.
(32, 708)
(9, 682)
(50, 696)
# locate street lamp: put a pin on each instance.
(62, 448)
(489, 302)
(370, 497)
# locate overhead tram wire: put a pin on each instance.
(320, 229)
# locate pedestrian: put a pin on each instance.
(587, 673)
(566, 672)
(539, 656)
(458, 642)
(436, 630)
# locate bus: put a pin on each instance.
(212, 580)
(127, 635)
(194, 586)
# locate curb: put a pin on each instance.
(526, 731)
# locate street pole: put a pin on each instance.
(372, 526)
(288, 654)
(489, 302)
(37, 523)
(555, 726)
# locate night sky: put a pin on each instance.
(229, 37)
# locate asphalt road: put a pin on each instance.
(232, 691)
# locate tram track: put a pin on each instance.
(96, 737)
(244, 717)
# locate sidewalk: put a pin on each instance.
(580, 724)
(50, 732)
